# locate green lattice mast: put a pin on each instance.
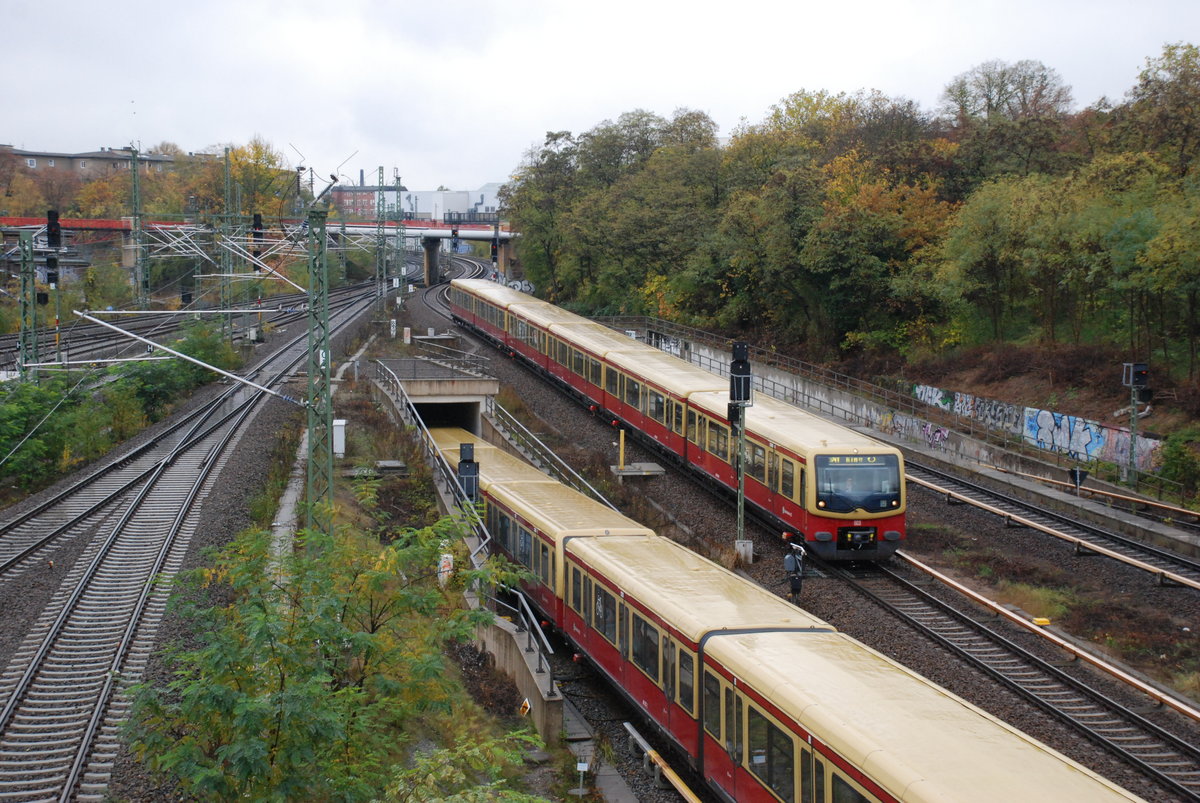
(319, 517)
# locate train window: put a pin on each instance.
(544, 566)
(677, 417)
(564, 354)
(787, 479)
(857, 482)
(501, 528)
(757, 463)
(712, 705)
(771, 754)
(524, 546)
(687, 680)
(691, 426)
(656, 406)
(587, 599)
(606, 614)
(633, 393)
(718, 440)
(806, 773)
(576, 590)
(773, 471)
(595, 371)
(818, 780)
(731, 723)
(577, 362)
(843, 792)
(612, 381)
(644, 647)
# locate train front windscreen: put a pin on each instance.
(852, 482)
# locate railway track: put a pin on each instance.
(1127, 734)
(62, 705)
(82, 341)
(1165, 566)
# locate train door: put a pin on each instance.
(668, 681)
(623, 642)
(717, 717)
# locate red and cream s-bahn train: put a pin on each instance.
(838, 490)
(766, 701)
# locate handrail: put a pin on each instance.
(520, 437)
(448, 480)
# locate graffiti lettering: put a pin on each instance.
(934, 435)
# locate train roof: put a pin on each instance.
(543, 313)
(786, 425)
(920, 741)
(499, 294)
(495, 464)
(670, 373)
(597, 338)
(559, 512)
(687, 590)
(553, 508)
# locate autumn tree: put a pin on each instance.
(1163, 113)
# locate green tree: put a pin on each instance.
(535, 201)
(33, 436)
(315, 678)
(983, 252)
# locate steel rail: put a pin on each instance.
(1125, 550)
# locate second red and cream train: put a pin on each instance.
(838, 490)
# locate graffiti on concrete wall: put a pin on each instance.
(934, 396)
(934, 435)
(1077, 437)
(1081, 438)
(993, 414)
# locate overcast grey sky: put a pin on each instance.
(455, 93)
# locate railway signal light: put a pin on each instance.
(1135, 375)
(739, 373)
(53, 230)
(257, 230)
(468, 471)
(43, 298)
(52, 270)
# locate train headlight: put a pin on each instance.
(820, 503)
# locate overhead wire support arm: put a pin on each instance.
(193, 360)
(240, 250)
